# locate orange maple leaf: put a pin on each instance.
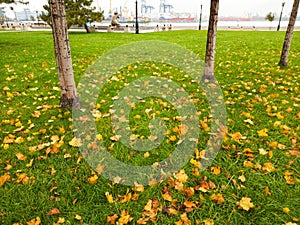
(93, 179)
(167, 196)
(3, 179)
(112, 219)
(216, 170)
(22, 178)
(20, 156)
(54, 211)
(218, 198)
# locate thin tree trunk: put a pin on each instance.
(69, 97)
(288, 36)
(86, 27)
(211, 42)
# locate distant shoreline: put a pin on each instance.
(150, 26)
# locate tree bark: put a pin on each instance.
(69, 97)
(288, 36)
(211, 42)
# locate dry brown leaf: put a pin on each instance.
(189, 192)
(294, 153)
(54, 211)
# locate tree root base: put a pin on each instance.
(208, 78)
(69, 103)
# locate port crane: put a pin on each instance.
(164, 6)
(145, 7)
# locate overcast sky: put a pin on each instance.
(227, 7)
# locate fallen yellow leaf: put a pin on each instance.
(147, 155)
(93, 179)
(125, 218)
(139, 188)
(268, 167)
(245, 204)
(286, 210)
(263, 132)
(20, 156)
(216, 170)
(59, 221)
(36, 221)
(78, 217)
(242, 178)
(208, 222)
(181, 176)
(75, 142)
(109, 197)
(218, 198)
(167, 196)
(22, 178)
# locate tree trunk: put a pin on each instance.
(211, 42)
(288, 36)
(69, 97)
(86, 27)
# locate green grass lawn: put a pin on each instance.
(44, 178)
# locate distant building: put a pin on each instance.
(2, 15)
